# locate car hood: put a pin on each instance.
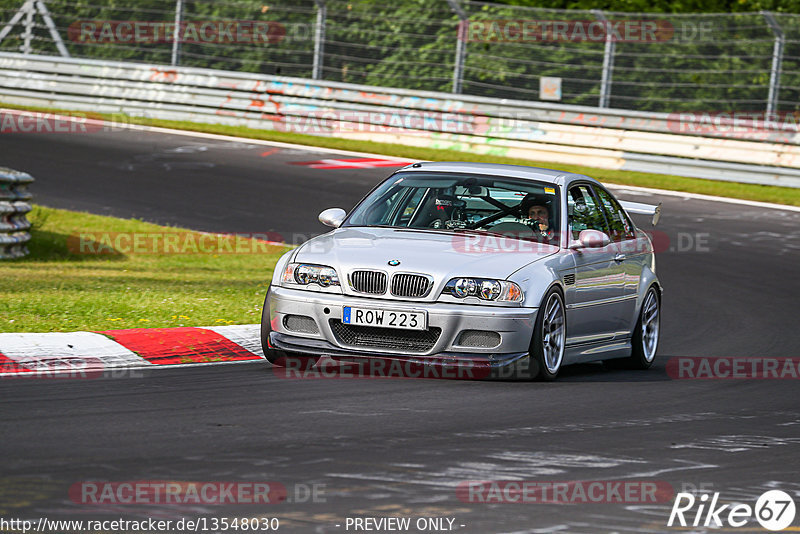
(438, 254)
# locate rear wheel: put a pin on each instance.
(648, 328)
(645, 336)
(549, 337)
(279, 357)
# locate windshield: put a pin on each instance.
(462, 202)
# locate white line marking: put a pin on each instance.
(206, 135)
(144, 366)
(698, 196)
(312, 148)
(307, 148)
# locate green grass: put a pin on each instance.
(56, 288)
(762, 193)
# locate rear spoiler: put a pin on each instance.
(643, 209)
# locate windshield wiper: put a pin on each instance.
(481, 232)
(371, 226)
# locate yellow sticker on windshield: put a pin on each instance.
(550, 190)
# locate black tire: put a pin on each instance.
(279, 357)
(643, 351)
(546, 353)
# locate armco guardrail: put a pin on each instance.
(14, 225)
(690, 61)
(612, 139)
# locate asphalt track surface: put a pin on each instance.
(400, 447)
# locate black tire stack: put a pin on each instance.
(14, 224)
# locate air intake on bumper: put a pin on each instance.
(482, 339)
(384, 338)
(300, 323)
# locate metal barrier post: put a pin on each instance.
(14, 20)
(319, 39)
(777, 60)
(51, 26)
(176, 36)
(28, 10)
(27, 35)
(461, 45)
(608, 62)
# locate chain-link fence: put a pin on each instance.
(639, 61)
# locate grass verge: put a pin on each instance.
(761, 193)
(199, 282)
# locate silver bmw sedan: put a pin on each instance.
(510, 271)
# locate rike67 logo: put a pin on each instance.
(774, 510)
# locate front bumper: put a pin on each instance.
(513, 324)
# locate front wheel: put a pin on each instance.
(549, 337)
(277, 357)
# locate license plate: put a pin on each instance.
(408, 320)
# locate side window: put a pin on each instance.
(584, 213)
(621, 227)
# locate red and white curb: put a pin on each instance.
(32, 354)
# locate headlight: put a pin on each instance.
(464, 287)
(484, 289)
(304, 274)
(490, 290)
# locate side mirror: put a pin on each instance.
(591, 239)
(333, 217)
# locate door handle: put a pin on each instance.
(619, 258)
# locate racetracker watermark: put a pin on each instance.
(729, 368)
(537, 31)
(527, 243)
(14, 122)
(86, 368)
(565, 492)
(69, 122)
(734, 123)
(148, 492)
(151, 525)
(326, 368)
(121, 32)
(171, 242)
(406, 122)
